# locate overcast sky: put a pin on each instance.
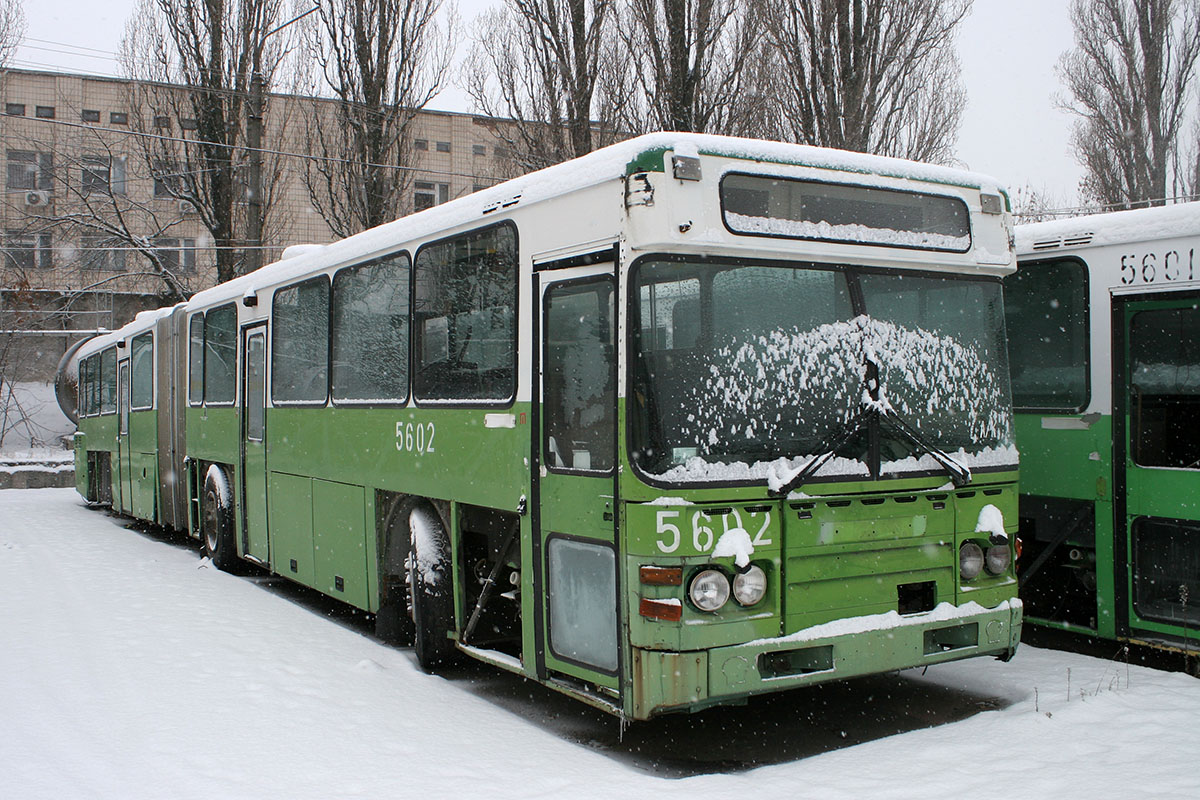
(1008, 50)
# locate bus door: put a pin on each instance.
(124, 457)
(1158, 527)
(254, 449)
(575, 500)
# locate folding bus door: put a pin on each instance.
(1158, 561)
(575, 486)
(254, 448)
(124, 456)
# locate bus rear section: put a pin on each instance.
(1103, 322)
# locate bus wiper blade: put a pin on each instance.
(844, 435)
(960, 475)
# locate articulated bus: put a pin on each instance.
(685, 420)
(1104, 325)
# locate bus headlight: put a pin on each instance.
(709, 590)
(970, 560)
(998, 559)
(750, 587)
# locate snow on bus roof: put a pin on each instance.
(1142, 224)
(605, 164)
(143, 321)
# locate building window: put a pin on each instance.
(162, 122)
(89, 115)
(44, 112)
(14, 109)
(27, 251)
(187, 124)
(96, 174)
(421, 144)
(479, 187)
(168, 180)
(178, 255)
(28, 170)
(101, 253)
(118, 118)
(501, 152)
(478, 150)
(428, 195)
(443, 147)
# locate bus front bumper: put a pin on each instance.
(677, 681)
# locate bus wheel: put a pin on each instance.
(393, 621)
(216, 520)
(430, 591)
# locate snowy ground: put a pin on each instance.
(130, 668)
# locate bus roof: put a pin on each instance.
(1143, 224)
(643, 153)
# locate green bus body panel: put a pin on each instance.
(1065, 463)
(213, 434)
(340, 541)
(79, 445)
(290, 504)
(826, 558)
(469, 462)
(143, 464)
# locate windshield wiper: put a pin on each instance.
(960, 475)
(872, 408)
(836, 442)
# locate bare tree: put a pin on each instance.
(874, 76)
(1129, 77)
(193, 65)
(383, 60)
(537, 63)
(690, 61)
(12, 30)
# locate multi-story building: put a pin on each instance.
(82, 177)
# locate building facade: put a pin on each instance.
(87, 195)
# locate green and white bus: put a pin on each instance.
(1104, 323)
(683, 421)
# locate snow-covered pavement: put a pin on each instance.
(130, 668)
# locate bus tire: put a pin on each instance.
(393, 621)
(216, 520)
(430, 590)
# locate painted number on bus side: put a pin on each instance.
(703, 531)
(1155, 268)
(415, 437)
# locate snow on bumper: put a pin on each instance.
(842, 649)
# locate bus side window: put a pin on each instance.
(464, 318)
(300, 343)
(579, 399)
(370, 332)
(220, 355)
(142, 393)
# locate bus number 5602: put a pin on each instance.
(414, 437)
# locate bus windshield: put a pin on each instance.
(744, 370)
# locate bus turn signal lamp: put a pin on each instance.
(670, 610)
(661, 576)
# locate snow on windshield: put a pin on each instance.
(781, 386)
